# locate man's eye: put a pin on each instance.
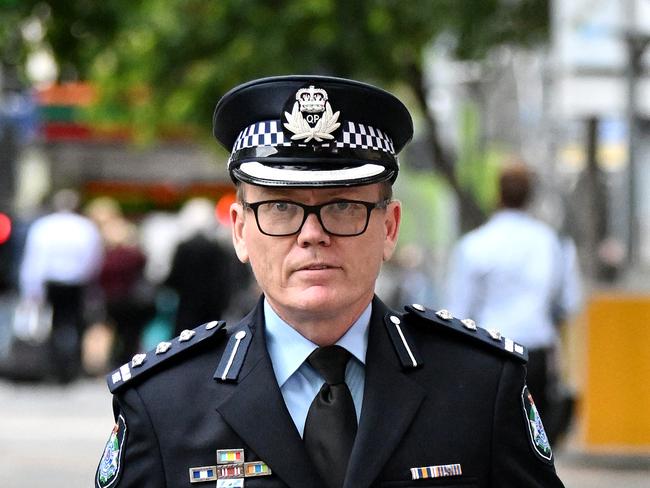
(280, 206)
(340, 206)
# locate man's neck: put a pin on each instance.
(324, 328)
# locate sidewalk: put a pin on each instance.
(578, 470)
(581, 469)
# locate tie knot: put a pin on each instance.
(330, 362)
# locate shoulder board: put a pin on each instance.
(143, 364)
(467, 328)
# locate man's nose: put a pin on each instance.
(312, 232)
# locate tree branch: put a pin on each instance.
(471, 214)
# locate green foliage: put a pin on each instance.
(477, 166)
(181, 56)
(13, 51)
(425, 213)
(163, 64)
(166, 62)
(482, 24)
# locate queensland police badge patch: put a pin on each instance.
(110, 464)
(536, 433)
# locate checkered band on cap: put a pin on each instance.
(353, 135)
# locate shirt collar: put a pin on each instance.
(288, 349)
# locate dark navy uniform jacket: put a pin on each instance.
(461, 404)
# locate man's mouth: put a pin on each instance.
(316, 267)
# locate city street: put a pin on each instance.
(482, 167)
(53, 436)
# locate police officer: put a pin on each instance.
(321, 385)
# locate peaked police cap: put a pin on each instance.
(311, 131)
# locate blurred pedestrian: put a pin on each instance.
(159, 237)
(518, 275)
(201, 268)
(415, 284)
(128, 297)
(63, 254)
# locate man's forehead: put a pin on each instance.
(352, 192)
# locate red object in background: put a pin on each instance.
(61, 131)
(140, 197)
(222, 210)
(5, 228)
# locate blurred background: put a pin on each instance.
(105, 115)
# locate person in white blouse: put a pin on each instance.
(516, 274)
(63, 254)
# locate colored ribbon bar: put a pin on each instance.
(227, 456)
(203, 473)
(256, 468)
(436, 471)
(230, 471)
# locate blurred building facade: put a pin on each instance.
(579, 111)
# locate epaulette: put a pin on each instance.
(145, 363)
(468, 328)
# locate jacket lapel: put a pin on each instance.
(255, 410)
(390, 402)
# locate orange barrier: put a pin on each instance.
(616, 394)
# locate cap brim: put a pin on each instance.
(257, 173)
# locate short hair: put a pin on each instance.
(386, 190)
(515, 185)
(66, 200)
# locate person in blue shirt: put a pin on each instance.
(517, 273)
(321, 384)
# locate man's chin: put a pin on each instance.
(311, 301)
(315, 298)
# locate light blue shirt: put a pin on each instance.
(298, 381)
(509, 273)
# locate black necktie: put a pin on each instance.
(331, 423)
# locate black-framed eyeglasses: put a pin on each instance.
(345, 218)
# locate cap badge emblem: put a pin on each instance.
(319, 121)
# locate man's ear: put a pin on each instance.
(392, 221)
(237, 221)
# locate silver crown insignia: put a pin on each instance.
(312, 100)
